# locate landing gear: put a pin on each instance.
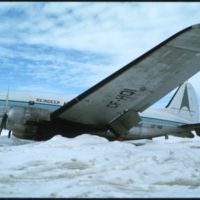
(120, 138)
(9, 133)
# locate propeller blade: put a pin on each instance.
(3, 122)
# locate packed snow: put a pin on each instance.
(92, 166)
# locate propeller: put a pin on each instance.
(5, 115)
(3, 122)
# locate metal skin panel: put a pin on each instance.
(140, 83)
(122, 124)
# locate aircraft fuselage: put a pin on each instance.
(154, 122)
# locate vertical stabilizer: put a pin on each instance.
(184, 103)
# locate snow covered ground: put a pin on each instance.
(91, 166)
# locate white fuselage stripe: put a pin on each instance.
(53, 107)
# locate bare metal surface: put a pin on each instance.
(148, 80)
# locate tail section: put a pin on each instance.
(184, 103)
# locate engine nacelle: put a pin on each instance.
(24, 121)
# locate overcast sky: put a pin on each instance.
(67, 47)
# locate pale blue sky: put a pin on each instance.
(67, 47)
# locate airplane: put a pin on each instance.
(117, 107)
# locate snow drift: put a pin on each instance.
(91, 166)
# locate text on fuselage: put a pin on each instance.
(49, 101)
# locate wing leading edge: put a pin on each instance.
(139, 84)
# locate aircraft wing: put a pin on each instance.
(139, 84)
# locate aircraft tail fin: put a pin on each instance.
(184, 103)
